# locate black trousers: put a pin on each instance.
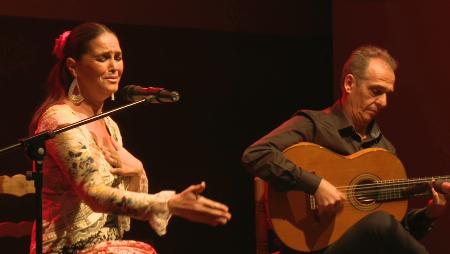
(377, 233)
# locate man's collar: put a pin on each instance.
(345, 127)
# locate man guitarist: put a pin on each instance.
(346, 127)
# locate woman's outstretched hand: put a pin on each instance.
(190, 205)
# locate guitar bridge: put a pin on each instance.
(313, 209)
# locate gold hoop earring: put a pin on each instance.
(75, 98)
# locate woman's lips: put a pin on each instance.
(112, 79)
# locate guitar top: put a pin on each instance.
(372, 180)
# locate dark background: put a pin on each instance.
(242, 68)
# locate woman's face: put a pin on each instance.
(99, 70)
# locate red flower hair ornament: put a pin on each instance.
(59, 45)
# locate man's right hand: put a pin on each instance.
(328, 197)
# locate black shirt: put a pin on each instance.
(328, 128)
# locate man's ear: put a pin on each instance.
(349, 83)
(71, 65)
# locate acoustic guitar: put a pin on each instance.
(372, 180)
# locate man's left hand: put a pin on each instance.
(437, 206)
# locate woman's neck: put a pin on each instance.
(87, 107)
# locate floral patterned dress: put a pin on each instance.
(84, 205)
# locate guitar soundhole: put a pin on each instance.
(363, 192)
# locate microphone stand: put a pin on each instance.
(34, 147)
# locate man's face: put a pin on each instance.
(367, 95)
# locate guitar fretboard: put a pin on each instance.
(387, 190)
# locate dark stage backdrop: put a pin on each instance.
(417, 118)
(235, 86)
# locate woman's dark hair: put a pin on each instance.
(59, 79)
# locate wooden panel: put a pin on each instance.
(16, 185)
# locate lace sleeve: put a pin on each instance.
(76, 157)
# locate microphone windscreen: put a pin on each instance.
(151, 94)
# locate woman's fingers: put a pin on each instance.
(216, 221)
(196, 189)
(212, 204)
(214, 211)
(112, 157)
(192, 206)
(210, 216)
(206, 202)
(124, 171)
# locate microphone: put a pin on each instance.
(442, 186)
(151, 94)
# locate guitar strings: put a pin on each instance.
(385, 190)
(349, 203)
(392, 183)
(379, 191)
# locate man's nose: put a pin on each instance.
(382, 100)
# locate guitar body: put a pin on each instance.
(294, 221)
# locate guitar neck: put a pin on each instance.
(400, 189)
